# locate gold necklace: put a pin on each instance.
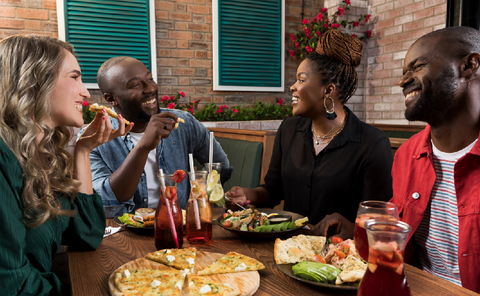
(330, 134)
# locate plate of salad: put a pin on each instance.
(255, 223)
(132, 221)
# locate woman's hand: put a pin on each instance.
(236, 195)
(100, 131)
(343, 227)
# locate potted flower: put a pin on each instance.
(306, 40)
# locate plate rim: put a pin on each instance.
(252, 234)
(351, 287)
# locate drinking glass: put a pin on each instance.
(385, 273)
(371, 209)
(199, 213)
(164, 238)
(218, 208)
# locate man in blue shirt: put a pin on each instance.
(125, 170)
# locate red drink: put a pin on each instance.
(385, 274)
(199, 213)
(361, 241)
(164, 238)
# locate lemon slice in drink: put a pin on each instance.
(217, 195)
(212, 180)
(301, 222)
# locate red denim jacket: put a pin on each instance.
(413, 179)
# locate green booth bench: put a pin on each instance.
(249, 152)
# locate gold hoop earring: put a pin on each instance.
(331, 115)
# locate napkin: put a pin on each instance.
(112, 230)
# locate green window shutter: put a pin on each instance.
(249, 44)
(102, 29)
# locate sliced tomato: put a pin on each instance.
(178, 176)
(337, 240)
(225, 215)
(227, 223)
(318, 258)
(340, 254)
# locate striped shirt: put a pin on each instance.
(437, 234)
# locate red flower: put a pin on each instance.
(320, 16)
(326, 25)
(367, 17)
(308, 48)
(318, 33)
(164, 98)
(190, 109)
(323, 10)
(85, 104)
(355, 24)
(172, 97)
(225, 107)
(280, 101)
(340, 11)
(315, 19)
(218, 111)
(235, 110)
(305, 21)
(297, 45)
(182, 94)
(171, 106)
(369, 34)
(292, 37)
(307, 31)
(335, 25)
(348, 2)
(354, 36)
(292, 53)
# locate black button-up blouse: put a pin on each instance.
(355, 166)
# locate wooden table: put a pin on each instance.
(89, 271)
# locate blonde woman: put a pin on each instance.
(46, 195)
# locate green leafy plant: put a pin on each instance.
(260, 111)
(306, 41)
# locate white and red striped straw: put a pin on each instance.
(169, 209)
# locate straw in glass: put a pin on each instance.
(169, 210)
(195, 204)
(210, 159)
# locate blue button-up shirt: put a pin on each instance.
(172, 153)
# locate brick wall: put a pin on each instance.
(397, 24)
(184, 47)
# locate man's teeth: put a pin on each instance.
(149, 102)
(294, 99)
(78, 106)
(413, 93)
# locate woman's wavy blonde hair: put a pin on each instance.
(29, 68)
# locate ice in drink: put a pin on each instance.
(385, 274)
(199, 212)
(360, 236)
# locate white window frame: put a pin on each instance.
(216, 86)
(151, 24)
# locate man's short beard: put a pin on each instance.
(435, 100)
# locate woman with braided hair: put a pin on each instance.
(325, 160)
(46, 195)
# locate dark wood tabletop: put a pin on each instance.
(89, 271)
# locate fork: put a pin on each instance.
(107, 231)
(238, 205)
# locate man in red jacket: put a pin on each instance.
(436, 173)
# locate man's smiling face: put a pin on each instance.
(430, 81)
(134, 90)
